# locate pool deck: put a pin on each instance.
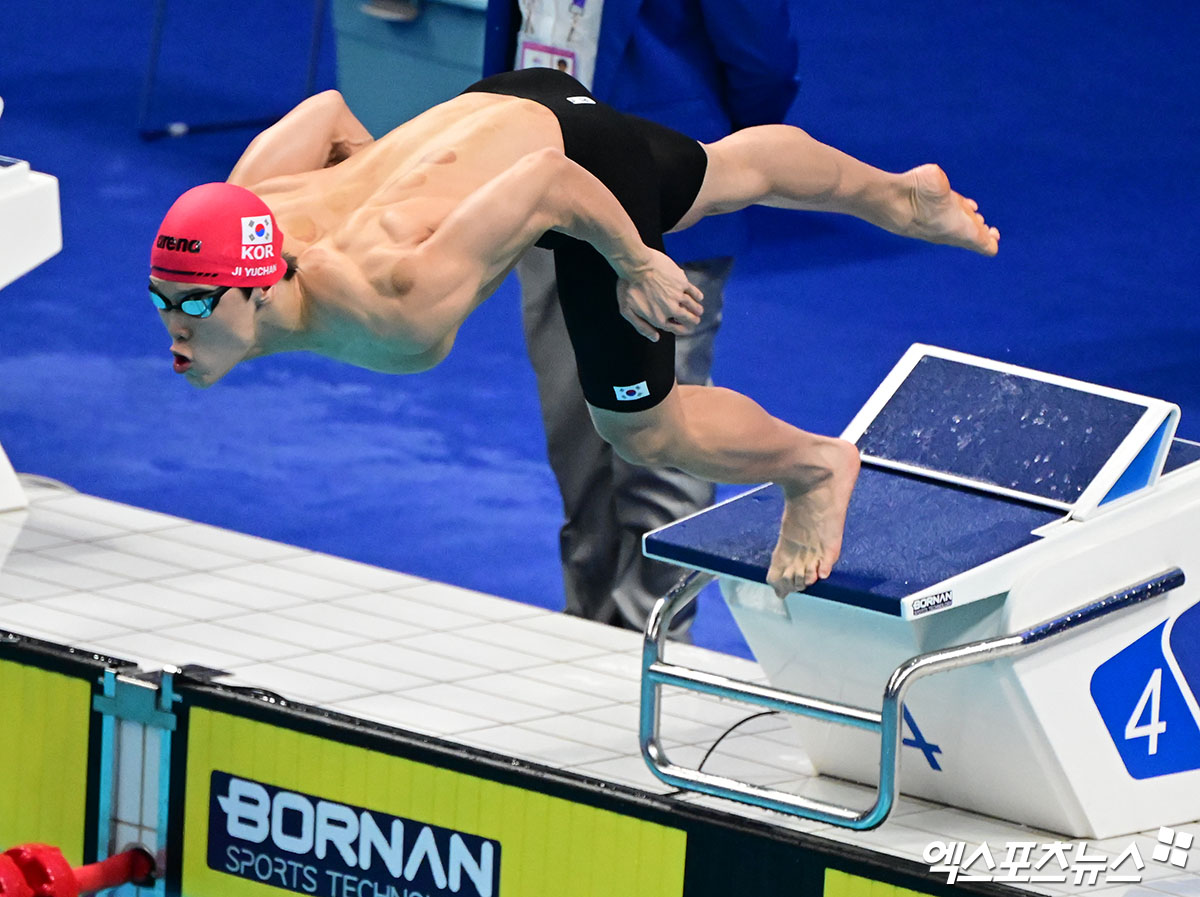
(429, 659)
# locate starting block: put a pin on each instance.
(30, 232)
(1022, 536)
(12, 497)
(30, 226)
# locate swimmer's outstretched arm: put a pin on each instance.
(320, 132)
(480, 241)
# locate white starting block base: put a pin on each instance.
(491, 675)
(992, 500)
(1017, 738)
(30, 233)
(30, 228)
(12, 496)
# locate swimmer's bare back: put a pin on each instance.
(484, 172)
(423, 167)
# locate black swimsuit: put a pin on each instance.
(655, 173)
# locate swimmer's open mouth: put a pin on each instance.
(181, 363)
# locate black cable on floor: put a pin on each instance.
(721, 738)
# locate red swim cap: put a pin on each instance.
(220, 234)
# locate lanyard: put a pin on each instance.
(529, 9)
(576, 14)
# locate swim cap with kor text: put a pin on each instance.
(220, 234)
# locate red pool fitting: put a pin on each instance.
(48, 874)
(12, 880)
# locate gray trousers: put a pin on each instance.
(607, 503)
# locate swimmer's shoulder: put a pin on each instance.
(375, 306)
(329, 271)
(327, 274)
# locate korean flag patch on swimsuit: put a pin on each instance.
(629, 393)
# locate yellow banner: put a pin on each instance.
(269, 808)
(843, 884)
(44, 720)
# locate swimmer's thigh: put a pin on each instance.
(619, 369)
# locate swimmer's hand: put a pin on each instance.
(658, 296)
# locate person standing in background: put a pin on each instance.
(704, 68)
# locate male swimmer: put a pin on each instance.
(374, 252)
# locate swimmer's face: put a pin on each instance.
(206, 349)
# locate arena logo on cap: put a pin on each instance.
(258, 233)
(178, 244)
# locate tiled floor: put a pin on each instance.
(434, 659)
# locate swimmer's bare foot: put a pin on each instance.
(940, 215)
(814, 513)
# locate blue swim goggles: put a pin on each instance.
(193, 306)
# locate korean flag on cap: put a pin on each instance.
(257, 230)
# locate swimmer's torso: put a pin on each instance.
(424, 167)
(391, 196)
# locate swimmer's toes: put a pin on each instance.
(825, 565)
(786, 576)
(781, 584)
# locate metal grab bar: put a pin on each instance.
(656, 673)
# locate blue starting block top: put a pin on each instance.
(1002, 428)
(903, 535)
(1183, 452)
(1033, 437)
(963, 460)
